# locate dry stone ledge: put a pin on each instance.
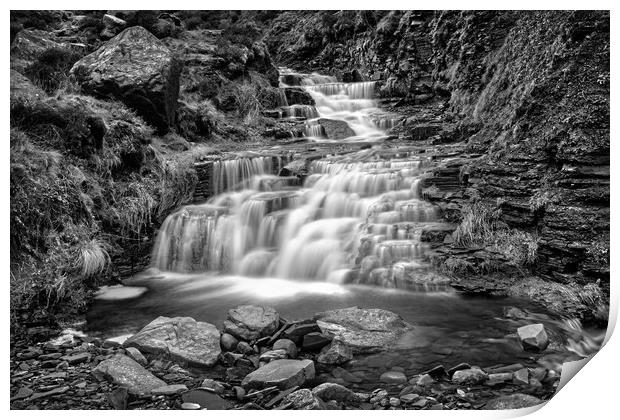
(137, 69)
(126, 372)
(181, 339)
(284, 373)
(533, 337)
(363, 330)
(250, 322)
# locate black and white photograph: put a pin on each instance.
(306, 209)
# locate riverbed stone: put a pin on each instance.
(336, 129)
(216, 386)
(271, 355)
(304, 399)
(284, 374)
(126, 372)
(286, 345)
(521, 377)
(533, 337)
(228, 342)
(169, 390)
(315, 341)
(363, 330)
(425, 380)
(181, 339)
(512, 402)
(331, 391)
(297, 330)
(251, 322)
(115, 342)
(472, 376)
(336, 353)
(393, 377)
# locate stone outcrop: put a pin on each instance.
(181, 339)
(137, 69)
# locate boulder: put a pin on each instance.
(473, 376)
(362, 330)
(137, 69)
(330, 391)
(284, 374)
(123, 371)
(180, 339)
(286, 345)
(335, 354)
(249, 322)
(303, 399)
(512, 402)
(297, 96)
(228, 342)
(533, 337)
(116, 342)
(336, 129)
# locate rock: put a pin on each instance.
(55, 391)
(135, 354)
(239, 392)
(460, 366)
(393, 377)
(214, 385)
(521, 377)
(420, 403)
(286, 345)
(335, 354)
(315, 341)
(472, 376)
(190, 406)
(115, 342)
(169, 390)
(500, 377)
(137, 69)
(112, 26)
(22, 87)
(330, 391)
(23, 392)
(281, 373)
(336, 129)
(533, 337)
(425, 380)
(119, 398)
(394, 402)
(228, 342)
(513, 401)
(126, 372)
(180, 339)
(244, 348)
(437, 372)
(249, 322)
(298, 330)
(409, 398)
(297, 96)
(514, 313)
(303, 399)
(271, 355)
(363, 330)
(206, 399)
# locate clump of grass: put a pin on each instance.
(51, 69)
(247, 103)
(92, 258)
(477, 226)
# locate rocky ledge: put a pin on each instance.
(261, 361)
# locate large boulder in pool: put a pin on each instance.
(363, 330)
(123, 371)
(250, 322)
(180, 339)
(533, 337)
(137, 69)
(336, 129)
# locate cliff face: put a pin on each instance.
(526, 92)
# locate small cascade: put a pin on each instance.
(234, 174)
(299, 111)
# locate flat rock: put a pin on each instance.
(271, 355)
(363, 330)
(126, 372)
(303, 399)
(286, 345)
(335, 354)
(136, 355)
(533, 337)
(329, 391)
(393, 377)
(115, 342)
(315, 341)
(169, 390)
(250, 322)
(284, 374)
(512, 402)
(74, 359)
(180, 339)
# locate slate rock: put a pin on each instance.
(123, 371)
(250, 322)
(286, 345)
(169, 390)
(335, 354)
(330, 391)
(315, 341)
(284, 374)
(135, 354)
(472, 376)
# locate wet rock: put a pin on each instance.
(137, 69)
(335, 354)
(472, 376)
(281, 373)
(315, 341)
(346, 375)
(303, 399)
(249, 322)
(126, 372)
(214, 385)
(421, 403)
(336, 129)
(460, 366)
(169, 390)
(330, 391)
(181, 339)
(239, 392)
(116, 342)
(533, 337)
(514, 313)
(55, 391)
(363, 330)
(206, 399)
(298, 96)
(437, 372)
(286, 345)
(271, 355)
(23, 392)
(190, 406)
(135, 354)
(513, 401)
(409, 398)
(394, 402)
(425, 380)
(228, 342)
(495, 378)
(393, 377)
(298, 330)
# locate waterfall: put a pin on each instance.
(360, 212)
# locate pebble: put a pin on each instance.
(394, 402)
(521, 377)
(216, 386)
(190, 406)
